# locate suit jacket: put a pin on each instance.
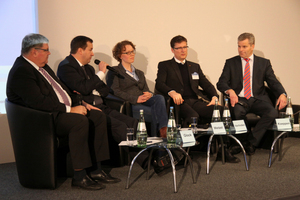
(169, 78)
(128, 88)
(27, 87)
(72, 75)
(232, 78)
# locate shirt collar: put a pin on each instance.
(250, 57)
(32, 63)
(178, 61)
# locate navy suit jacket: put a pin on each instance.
(232, 78)
(169, 78)
(26, 86)
(72, 75)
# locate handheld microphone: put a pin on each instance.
(110, 69)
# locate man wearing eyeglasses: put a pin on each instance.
(32, 83)
(179, 79)
(80, 77)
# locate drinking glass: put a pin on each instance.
(130, 136)
(194, 124)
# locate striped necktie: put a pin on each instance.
(55, 86)
(246, 78)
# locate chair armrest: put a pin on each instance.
(118, 104)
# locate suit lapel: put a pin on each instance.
(177, 70)
(239, 69)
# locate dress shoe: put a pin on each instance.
(228, 157)
(235, 149)
(250, 149)
(104, 178)
(87, 183)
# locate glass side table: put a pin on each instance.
(231, 134)
(167, 147)
(295, 129)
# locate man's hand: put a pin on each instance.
(89, 106)
(213, 101)
(79, 110)
(102, 66)
(282, 101)
(148, 95)
(177, 98)
(142, 99)
(233, 97)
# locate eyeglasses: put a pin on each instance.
(181, 48)
(129, 52)
(45, 50)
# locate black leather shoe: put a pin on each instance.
(250, 149)
(228, 157)
(235, 150)
(87, 183)
(104, 178)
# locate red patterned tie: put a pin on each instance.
(247, 85)
(55, 85)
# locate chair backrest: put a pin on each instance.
(34, 143)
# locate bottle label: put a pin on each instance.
(141, 126)
(171, 123)
(226, 113)
(289, 111)
(216, 113)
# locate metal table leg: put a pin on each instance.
(132, 162)
(272, 147)
(208, 153)
(244, 152)
(191, 163)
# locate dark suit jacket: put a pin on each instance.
(232, 78)
(169, 78)
(72, 75)
(128, 88)
(27, 87)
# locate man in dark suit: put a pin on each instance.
(247, 90)
(180, 79)
(32, 83)
(80, 77)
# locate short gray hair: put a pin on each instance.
(248, 36)
(33, 40)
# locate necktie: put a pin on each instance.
(55, 86)
(247, 86)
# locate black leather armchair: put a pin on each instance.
(35, 146)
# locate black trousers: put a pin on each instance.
(117, 124)
(264, 109)
(196, 108)
(88, 141)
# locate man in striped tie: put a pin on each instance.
(32, 83)
(243, 80)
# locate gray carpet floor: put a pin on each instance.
(229, 181)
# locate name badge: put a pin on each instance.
(218, 128)
(283, 124)
(239, 126)
(195, 76)
(187, 136)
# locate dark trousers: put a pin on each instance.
(264, 109)
(88, 141)
(117, 124)
(195, 108)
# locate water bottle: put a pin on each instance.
(289, 112)
(216, 113)
(172, 129)
(226, 117)
(141, 134)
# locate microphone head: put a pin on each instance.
(97, 61)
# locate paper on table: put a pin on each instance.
(150, 140)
